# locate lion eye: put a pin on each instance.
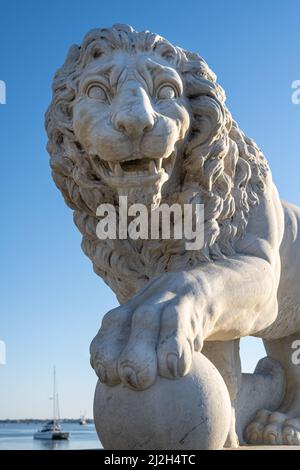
(166, 92)
(96, 92)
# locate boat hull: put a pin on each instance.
(51, 436)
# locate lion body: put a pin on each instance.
(288, 318)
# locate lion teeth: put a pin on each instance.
(152, 167)
(111, 166)
(158, 164)
(118, 170)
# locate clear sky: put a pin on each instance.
(51, 301)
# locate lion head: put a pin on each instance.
(134, 115)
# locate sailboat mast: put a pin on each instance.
(54, 395)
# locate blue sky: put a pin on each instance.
(51, 301)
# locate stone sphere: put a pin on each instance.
(192, 412)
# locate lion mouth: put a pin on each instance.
(135, 171)
(141, 167)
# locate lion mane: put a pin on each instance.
(221, 168)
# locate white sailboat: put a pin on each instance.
(52, 429)
(82, 420)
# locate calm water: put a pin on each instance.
(15, 436)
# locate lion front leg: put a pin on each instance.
(160, 328)
(226, 358)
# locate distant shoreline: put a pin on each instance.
(37, 420)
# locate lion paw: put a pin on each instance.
(137, 341)
(273, 428)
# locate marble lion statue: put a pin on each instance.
(133, 115)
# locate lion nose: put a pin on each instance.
(134, 126)
(135, 115)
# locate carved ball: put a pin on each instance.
(192, 412)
